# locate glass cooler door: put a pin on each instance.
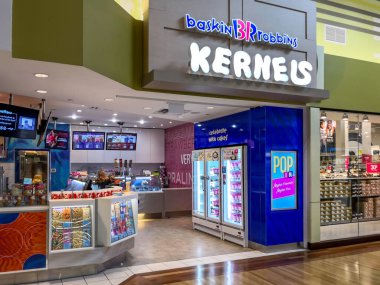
(213, 184)
(232, 175)
(198, 183)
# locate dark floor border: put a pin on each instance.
(342, 242)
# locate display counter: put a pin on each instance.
(117, 219)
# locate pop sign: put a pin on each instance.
(283, 180)
(373, 167)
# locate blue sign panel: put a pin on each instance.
(283, 180)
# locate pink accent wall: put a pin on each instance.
(179, 143)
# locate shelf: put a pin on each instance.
(367, 196)
(336, 223)
(332, 198)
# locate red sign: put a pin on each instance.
(179, 143)
(373, 167)
(366, 158)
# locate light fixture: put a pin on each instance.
(154, 127)
(162, 125)
(170, 122)
(109, 99)
(135, 126)
(345, 117)
(199, 125)
(115, 114)
(210, 107)
(81, 123)
(106, 124)
(142, 122)
(41, 75)
(74, 117)
(39, 91)
(79, 111)
(147, 108)
(114, 131)
(150, 117)
(365, 118)
(93, 130)
(234, 126)
(323, 115)
(113, 120)
(83, 105)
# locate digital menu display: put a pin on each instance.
(88, 140)
(121, 141)
(57, 139)
(18, 122)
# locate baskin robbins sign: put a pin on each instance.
(241, 65)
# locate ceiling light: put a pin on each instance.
(106, 124)
(74, 117)
(39, 91)
(162, 125)
(113, 120)
(115, 114)
(135, 126)
(81, 123)
(365, 118)
(83, 105)
(345, 117)
(79, 111)
(93, 130)
(147, 108)
(41, 75)
(142, 122)
(210, 107)
(150, 117)
(109, 99)
(170, 122)
(323, 115)
(154, 127)
(114, 131)
(234, 126)
(199, 125)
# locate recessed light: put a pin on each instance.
(93, 130)
(74, 117)
(114, 131)
(199, 125)
(81, 123)
(142, 122)
(79, 111)
(147, 108)
(135, 126)
(154, 127)
(210, 107)
(162, 125)
(106, 124)
(113, 120)
(41, 91)
(150, 117)
(234, 126)
(115, 114)
(41, 75)
(83, 105)
(109, 99)
(170, 122)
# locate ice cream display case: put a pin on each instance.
(72, 225)
(116, 219)
(146, 184)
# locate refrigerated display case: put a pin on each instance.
(116, 219)
(72, 225)
(213, 184)
(146, 184)
(232, 176)
(198, 183)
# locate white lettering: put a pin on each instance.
(221, 59)
(199, 58)
(304, 68)
(280, 69)
(262, 66)
(242, 62)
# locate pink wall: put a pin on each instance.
(179, 142)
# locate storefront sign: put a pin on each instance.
(284, 180)
(244, 66)
(373, 167)
(219, 135)
(239, 30)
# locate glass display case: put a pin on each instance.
(349, 174)
(71, 225)
(146, 184)
(32, 177)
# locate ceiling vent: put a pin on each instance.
(335, 34)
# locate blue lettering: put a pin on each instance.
(279, 38)
(295, 45)
(236, 28)
(252, 33)
(259, 33)
(190, 22)
(208, 26)
(272, 38)
(228, 30)
(215, 26)
(265, 37)
(201, 25)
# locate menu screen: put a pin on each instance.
(88, 141)
(18, 122)
(57, 139)
(122, 141)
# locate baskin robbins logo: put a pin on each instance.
(240, 30)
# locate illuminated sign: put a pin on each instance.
(245, 66)
(283, 180)
(240, 30)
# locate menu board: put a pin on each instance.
(57, 139)
(283, 180)
(71, 228)
(122, 224)
(121, 141)
(18, 122)
(88, 141)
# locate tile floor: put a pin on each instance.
(153, 251)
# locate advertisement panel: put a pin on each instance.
(283, 180)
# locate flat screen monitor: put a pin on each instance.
(121, 141)
(57, 139)
(88, 140)
(18, 122)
